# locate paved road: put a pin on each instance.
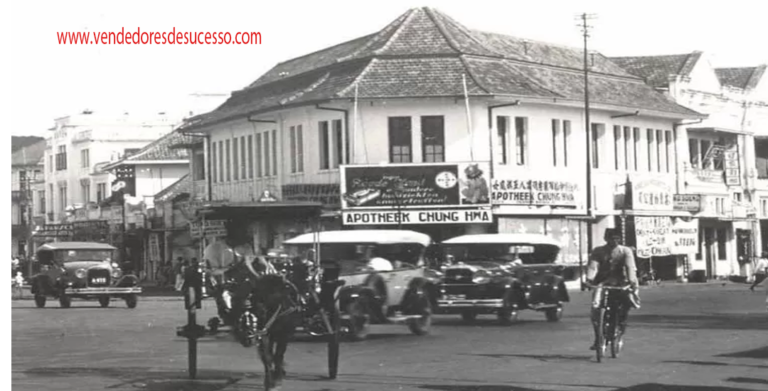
(694, 337)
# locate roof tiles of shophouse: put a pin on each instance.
(159, 150)
(424, 53)
(656, 70)
(745, 78)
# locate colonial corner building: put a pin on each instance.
(431, 126)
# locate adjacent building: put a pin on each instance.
(431, 126)
(27, 194)
(722, 177)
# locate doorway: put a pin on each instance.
(744, 246)
(709, 251)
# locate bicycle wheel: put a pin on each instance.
(600, 348)
(334, 342)
(617, 340)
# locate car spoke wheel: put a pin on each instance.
(40, 301)
(104, 301)
(421, 325)
(65, 301)
(131, 301)
(359, 320)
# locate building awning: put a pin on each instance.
(652, 213)
(287, 210)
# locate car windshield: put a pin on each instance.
(528, 254)
(83, 255)
(352, 255)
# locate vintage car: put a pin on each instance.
(81, 270)
(368, 296)
(501, 274)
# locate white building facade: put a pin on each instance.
(393, 102)
(721, 163)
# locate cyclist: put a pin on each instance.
(612, 265)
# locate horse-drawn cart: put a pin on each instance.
(266, 309)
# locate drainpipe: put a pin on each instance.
(490, 130)
(346, 126)
(680, 188)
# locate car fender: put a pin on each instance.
(348, 294)
(378, 285)
(559, 291)
(514, 293)
(127, 280)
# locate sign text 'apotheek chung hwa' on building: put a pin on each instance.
(449, 216)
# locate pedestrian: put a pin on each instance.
(18, 284)
(179, 267)
(14, 265)
(761, 270)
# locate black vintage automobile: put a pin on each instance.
(501, 274)
(82, 270)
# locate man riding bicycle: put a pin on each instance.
(612, 265)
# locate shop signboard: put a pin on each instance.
(415, 186)
(208, 228)
(731, 164)
(687, 202)
(537, 189)
(661, 236)
(652, 195)
(430, 216)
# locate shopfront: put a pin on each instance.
(662, 234)
(442, 200)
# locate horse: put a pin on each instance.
(266, 308)
(274, 305)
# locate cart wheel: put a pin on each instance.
(65, 301)
(334, 342)
(131, 301)
(104, 301)
(40, 301)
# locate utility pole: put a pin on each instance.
(585, 27)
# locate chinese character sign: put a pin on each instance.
(652, 195)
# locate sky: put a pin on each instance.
(43, 80)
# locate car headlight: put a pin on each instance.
(115, 265)
(481, 277)
(117, 273)
(80, 273)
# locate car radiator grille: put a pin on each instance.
(458, 276)
(98, 277)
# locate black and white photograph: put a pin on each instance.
(398, 195)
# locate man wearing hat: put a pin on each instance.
(612, 265)
(761, 270)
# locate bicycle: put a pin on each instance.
(608, 330)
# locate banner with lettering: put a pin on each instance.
(660, 236)
(652, 195)
(415, 186)
(537, 188)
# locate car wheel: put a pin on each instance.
(469, 316)
(359, 320)
(421, 325)
(104, 301)
(507, 316)
(131, 301)
(65, 301)
(554, 314)
(40, 301)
